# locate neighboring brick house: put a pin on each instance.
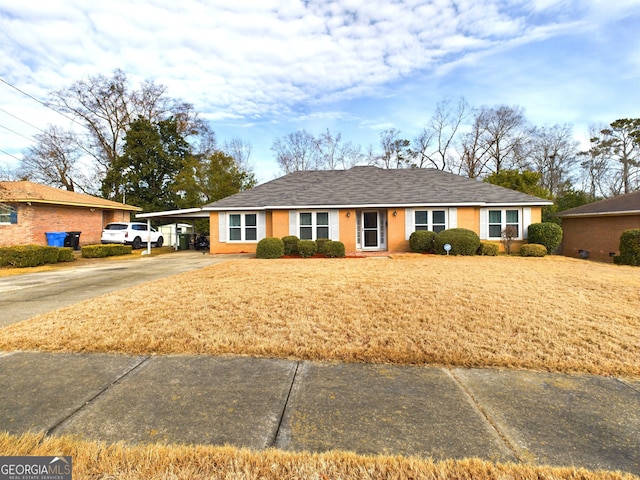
(593, 230)
(367, 208)
(29, 210)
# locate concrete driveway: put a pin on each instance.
(26, 295)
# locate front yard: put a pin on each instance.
(552, 314)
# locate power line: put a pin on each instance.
(23, 121)
(41, 102)
(7, 153)
(19, 134)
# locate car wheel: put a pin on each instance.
(159, 242)
(137, 243)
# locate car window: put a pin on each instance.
(116, 226)
(138, 227)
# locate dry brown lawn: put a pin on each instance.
(551, 314)
(96, 460)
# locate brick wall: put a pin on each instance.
(36, 219)
(598, 235)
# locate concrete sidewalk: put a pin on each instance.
(540, 418)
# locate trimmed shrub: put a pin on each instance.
(65, 254)
(290, 244)
(533, 250)
(462, 241)
(488, 249)
(334, 249)
(421, 241)
(546, 233)
(307, 248)
(22, 256)
(321, 243)
(270, 247)
(630, 247)
(106, 250)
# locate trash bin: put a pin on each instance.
(183, 241)
(56, 239)
(72, 239)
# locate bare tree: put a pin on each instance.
(395, 150)
(506, 134)
(239, 150)
(296, 151)
(474, 157)
(621, 142)
(55, 160)
(554, 154)
(434, 144)
(336, 154)
(595, 166)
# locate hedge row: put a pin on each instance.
(33, 255)
(107, 250)
(272, 247)
(629, 248)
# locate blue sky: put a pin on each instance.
(260, 69)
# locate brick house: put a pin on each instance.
(367, 208)
(593, 230)
(29, 210)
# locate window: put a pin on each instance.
(499, 220)
(434, 220)
(8, 215)
(243, 227)
(314, 225)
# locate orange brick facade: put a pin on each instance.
(36, 219)
(277, 225)
(599, 236)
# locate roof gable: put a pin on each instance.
(23, 192)
(622, 204)
(372, 186)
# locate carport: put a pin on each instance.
(191, 214)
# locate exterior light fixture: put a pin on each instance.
(348, 214)
(395, 213)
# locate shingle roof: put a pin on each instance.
(22, 192)
(373, 186)
(622, 204)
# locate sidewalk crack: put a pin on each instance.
(58, 423)
(274, 438)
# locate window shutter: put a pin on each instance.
(293, 223)
(409, 223)
(13, 216)
(526, 221)
(222, 227)
(334, 224)
(484, 224)
(453, 218)
(262, 225)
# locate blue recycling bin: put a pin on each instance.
(56, 239)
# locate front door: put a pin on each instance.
(371, 230)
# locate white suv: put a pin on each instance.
(135, 234)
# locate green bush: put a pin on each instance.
(290, 244)
(630, 247)
(321, 243)
(421, 241)
(533, 250)
(270, 247)
(546, 233)
(489, 249)
(65, 254)
(462, 241)
(334, 249)
(22, 256)
(106, 250)
(307, 248)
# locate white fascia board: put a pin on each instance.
(175, 213)
(373, 206)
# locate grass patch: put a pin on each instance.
(551, 314)
(99, 460)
